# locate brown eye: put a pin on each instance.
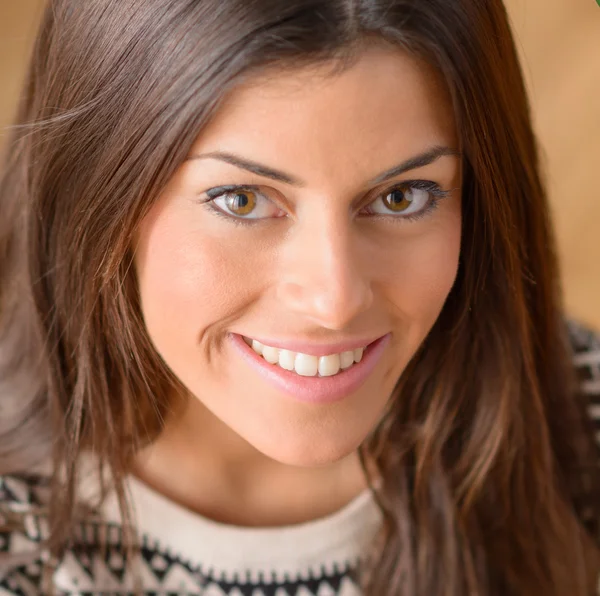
(405, 200)
(241, 202)
(399, 199)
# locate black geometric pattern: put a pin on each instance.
(84, 572)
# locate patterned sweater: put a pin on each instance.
(185, 553)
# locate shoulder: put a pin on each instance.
(21, 491)
(22, 532)
(585, 345)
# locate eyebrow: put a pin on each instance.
(418, 161)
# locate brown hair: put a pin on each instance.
(486, 461)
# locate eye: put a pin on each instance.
(407, 199)
(241, 202)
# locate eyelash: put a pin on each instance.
(436, 195)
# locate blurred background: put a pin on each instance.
(559, 41)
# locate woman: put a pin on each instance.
(280, 309)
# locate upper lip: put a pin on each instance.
(315, 349)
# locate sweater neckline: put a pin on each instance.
(330, 543)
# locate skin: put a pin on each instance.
(315, 267)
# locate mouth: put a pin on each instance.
(308, 365)
(309, 385)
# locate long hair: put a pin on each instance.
(486, 463)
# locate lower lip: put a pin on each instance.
(314, 390)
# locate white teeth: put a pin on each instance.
(287, 359)
(270, 354)
(305, 364)
(329, 365)
(347, 359)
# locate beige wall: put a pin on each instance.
(560, 43)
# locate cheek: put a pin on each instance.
(424, 270)
(188, 279)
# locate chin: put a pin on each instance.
(307, 451)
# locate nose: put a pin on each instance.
(322, 276)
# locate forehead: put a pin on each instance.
(388, 105)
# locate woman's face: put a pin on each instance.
(346, 228)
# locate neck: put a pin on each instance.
(203, 465)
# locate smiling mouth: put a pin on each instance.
(307, 365)
(300, 376)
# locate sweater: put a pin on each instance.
(183, 552)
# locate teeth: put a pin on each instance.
(358, 354)
(287, 359)
(347, 359)
(305, 364)
(270, 354)
(329, 365)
